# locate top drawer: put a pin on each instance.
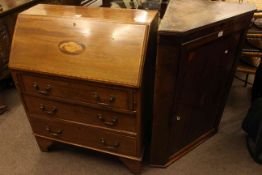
(78, 91)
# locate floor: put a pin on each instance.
(223, 154)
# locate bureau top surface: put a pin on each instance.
(133, 16)
(95, 49)
(184, 16)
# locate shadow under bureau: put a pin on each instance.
(82, 76)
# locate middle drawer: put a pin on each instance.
(54, 109)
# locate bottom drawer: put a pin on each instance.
(84, 135)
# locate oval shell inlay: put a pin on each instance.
(71, 47)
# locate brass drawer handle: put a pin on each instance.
(49, 112)
(54, 133)
(110, 100)
(107, 146)
(46, 91)
(113, 122)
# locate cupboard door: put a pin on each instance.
(178, 132)
(203, 75)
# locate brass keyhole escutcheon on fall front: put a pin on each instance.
(71, 47)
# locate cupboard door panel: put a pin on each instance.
(178, 131)
(203, 76)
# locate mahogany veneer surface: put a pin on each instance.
(113, 51)
(132, 16)
(84, 77)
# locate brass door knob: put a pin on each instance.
(178, 118)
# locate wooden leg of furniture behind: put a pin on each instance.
(2, 106)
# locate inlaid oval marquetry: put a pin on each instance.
(71, 47)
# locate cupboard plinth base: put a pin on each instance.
(187, 149)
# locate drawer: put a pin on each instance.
(84, 135)
(78, 91)
(53, 109)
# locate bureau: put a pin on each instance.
(84, 77)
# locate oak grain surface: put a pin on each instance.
(258, 3)
(184, 16)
